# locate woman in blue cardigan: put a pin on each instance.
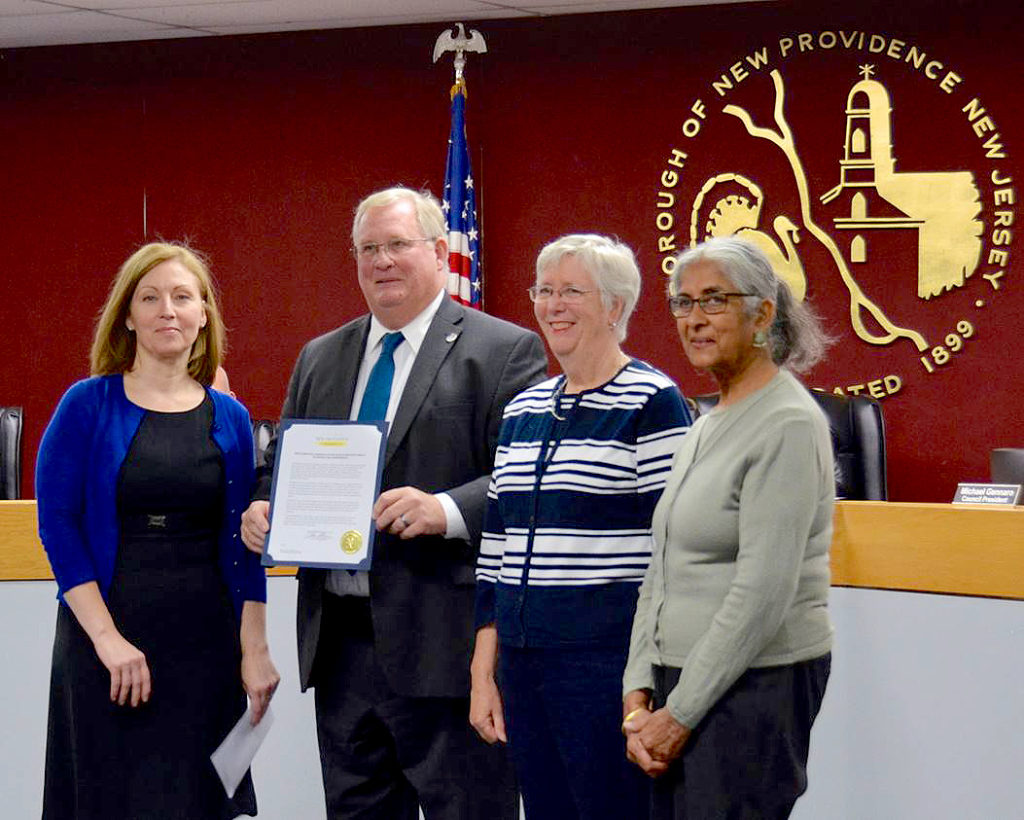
(142, 476)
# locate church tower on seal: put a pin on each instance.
(867, 163)
(882, 216)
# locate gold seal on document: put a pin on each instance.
(351, 542)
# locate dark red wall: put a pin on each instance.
(257, 149)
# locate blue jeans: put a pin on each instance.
(563, 712)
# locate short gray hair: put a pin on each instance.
(797, 338)
(611, 263)
(428, 209)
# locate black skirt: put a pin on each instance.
(747, 759)
(168, 599)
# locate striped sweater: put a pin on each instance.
(567, 532)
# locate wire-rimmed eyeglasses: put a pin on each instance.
(570, 294)
(393, 247)
(710, 303)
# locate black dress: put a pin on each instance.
(167, 598)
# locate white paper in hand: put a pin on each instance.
(234, 756)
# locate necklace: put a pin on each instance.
(556, 400)
(557, 430)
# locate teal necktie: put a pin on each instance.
(374, 406)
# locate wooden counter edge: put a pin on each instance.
(957, 549)
(22, 557)
(975, 550)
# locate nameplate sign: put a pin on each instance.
(967, 493)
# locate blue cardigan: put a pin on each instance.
(77, 470)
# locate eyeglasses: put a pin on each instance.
(393, 247)
(570, 294)
(710, 303)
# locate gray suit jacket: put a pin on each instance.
(442, 439)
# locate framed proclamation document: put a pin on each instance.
(326, 478)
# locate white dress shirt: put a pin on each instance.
(342, 581)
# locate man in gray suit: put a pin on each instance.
(388, 650)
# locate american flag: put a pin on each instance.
(460, 210)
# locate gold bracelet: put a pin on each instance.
(633, 714)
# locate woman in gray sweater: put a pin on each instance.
(730, 647)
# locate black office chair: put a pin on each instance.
(1007, 465)
(10, 453)
(702, 405)
(263, 430)
(858, 443)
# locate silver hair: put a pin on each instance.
(797, 339)
(428, 210)
(611, 263)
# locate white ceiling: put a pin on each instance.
(60, 22)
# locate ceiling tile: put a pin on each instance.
(367, 21)
(284, 8)
(587, 6)
(123, 5)
(19, 8)
(51, 22)
(77, 27)
(311, 13)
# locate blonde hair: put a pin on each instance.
(113, 345)
(429, 215)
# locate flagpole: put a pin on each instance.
(480, 222)
(465, 283)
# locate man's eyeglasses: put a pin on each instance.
(570, 294)
(393, 247)
(710, 303)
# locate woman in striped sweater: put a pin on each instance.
(581, 462)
